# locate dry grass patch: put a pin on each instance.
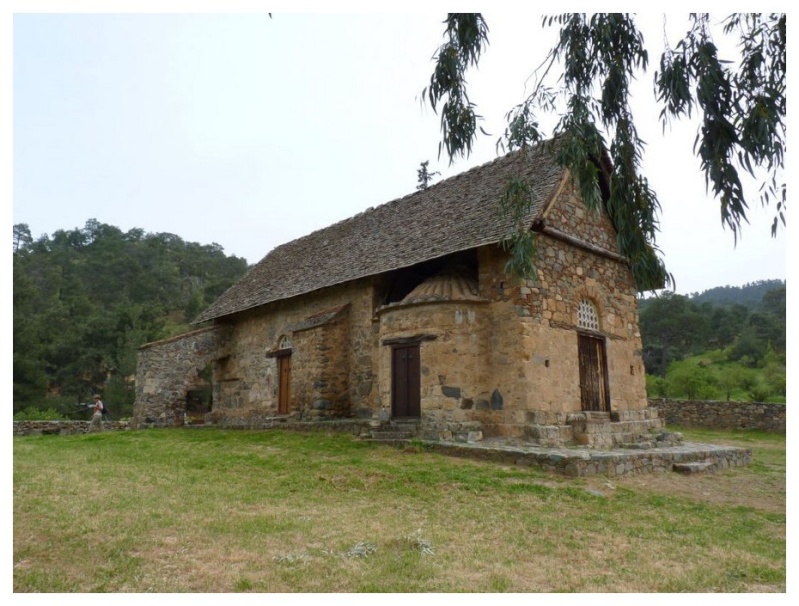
(764, 479)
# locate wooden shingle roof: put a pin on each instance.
(456, 214)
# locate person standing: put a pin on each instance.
(97, 418)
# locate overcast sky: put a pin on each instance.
(248, 131)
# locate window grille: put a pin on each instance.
(284, 343)
(587, 316)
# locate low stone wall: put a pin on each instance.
(64, 428)
(722, 415)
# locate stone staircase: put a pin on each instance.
(637, 429)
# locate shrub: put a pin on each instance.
(656, 386)
(31, 413)
(759, 392)
(687, 379)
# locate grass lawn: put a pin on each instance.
(208, 510)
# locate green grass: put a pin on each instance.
(207, 510)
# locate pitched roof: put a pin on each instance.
(456, 214)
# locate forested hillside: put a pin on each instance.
(85, 300)
(733, 349)
(749, 295)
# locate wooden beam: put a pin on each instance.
(540, 226)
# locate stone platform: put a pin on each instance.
(581, 462)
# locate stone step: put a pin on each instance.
(693, 467)
(646, 445)
(391, 435)
(411, 426)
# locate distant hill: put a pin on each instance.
(749, 295)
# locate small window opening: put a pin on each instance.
(587, 316)
(284, 342)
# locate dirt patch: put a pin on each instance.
(722, 488)
(761, 485)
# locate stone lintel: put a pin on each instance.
(412, 340)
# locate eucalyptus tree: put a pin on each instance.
(742, 109)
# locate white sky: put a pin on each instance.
(249, 131)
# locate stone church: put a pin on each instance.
(405, 313)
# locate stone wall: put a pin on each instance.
(320, 365)
(333, 348)
(531, 363)
(166, 371)
(454, 357)
(64, 428)
(568, 274)
(722, 415)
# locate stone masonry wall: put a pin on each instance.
(722, 415)
(543, 346)
(454, 354)
(166, 370)
(320, 370)
(331, 363)
(566, 275)
(569, 214)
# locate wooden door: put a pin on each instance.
(405, 382)
(594, 392)
(284, 367)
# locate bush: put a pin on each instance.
(759, 392)
(689, 380)
(656, 387)
(31, 413)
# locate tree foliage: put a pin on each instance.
(741, 349)
(86, 299)
(424, 175)
(742, 110)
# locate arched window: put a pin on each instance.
(587, 316)
(284, 342)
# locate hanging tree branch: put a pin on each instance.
(743, 116)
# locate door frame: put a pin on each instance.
(406, 382)
(284, 386)
(592, 359)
